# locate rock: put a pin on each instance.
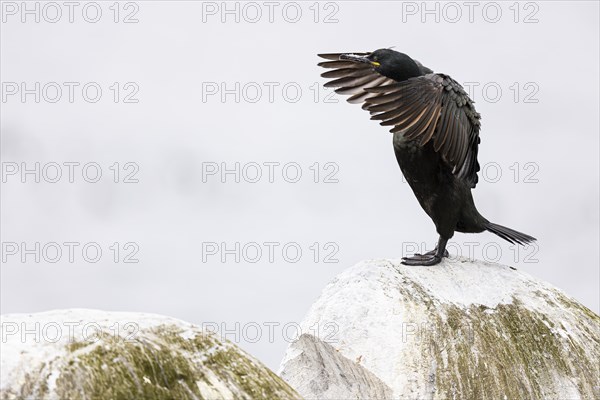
(458, 330)
(89, 354)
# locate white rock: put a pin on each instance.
(458, 330)
(90, 354)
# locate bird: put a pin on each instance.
(435, 131)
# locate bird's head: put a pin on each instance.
(388, 62)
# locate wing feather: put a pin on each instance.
(345, 73)
(429, 108)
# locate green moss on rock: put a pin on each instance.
(160, 363)
(510, 351)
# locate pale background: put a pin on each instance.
(368, 213)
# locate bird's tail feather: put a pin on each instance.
(510, 234)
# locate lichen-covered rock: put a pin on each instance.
(89, 354)
(458, 330)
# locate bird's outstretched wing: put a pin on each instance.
(429, 108)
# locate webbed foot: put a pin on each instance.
(433, 252)
(422, 259)
(432, 257)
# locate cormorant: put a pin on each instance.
(436, 137)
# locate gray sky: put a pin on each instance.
(187, 92)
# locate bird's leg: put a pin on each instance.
(431, 257)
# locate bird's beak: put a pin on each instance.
(360, 59)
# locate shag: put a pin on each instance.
(435, 136)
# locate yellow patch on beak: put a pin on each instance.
(375, 63)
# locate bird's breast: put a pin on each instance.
(422, 168)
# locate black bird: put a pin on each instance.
(436, 137)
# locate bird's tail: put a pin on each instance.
(509, 234)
